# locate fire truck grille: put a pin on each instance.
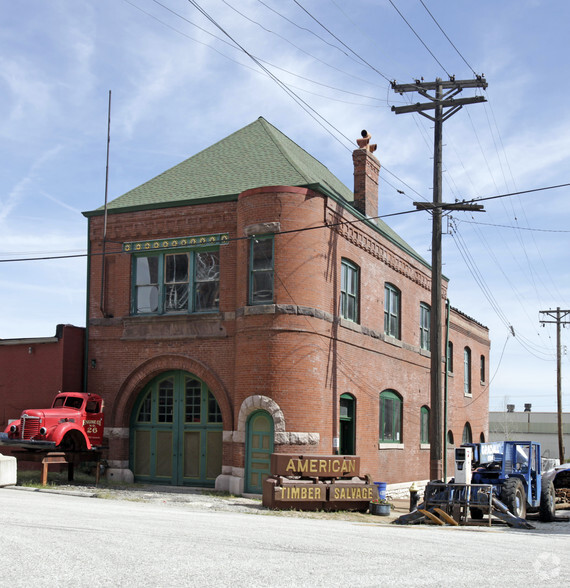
(30, 427)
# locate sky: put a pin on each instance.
(185, 74)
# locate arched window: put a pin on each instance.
(392, 302)
(424, 326)
(390, 417)
(450, 440)
(349, 282)
(467, 371)
(467, 435)
(482, 365)
(424, 424)
(482, 438)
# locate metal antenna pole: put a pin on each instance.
(102, 300)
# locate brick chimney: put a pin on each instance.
(366, 170)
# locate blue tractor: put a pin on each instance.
(513, 470)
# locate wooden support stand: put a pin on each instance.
(58, 458)
(55, 457)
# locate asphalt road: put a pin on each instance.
(62, 540)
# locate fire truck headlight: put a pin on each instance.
(43, 431)
(13, 429)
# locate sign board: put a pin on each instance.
(315, 466)
(301, 493)
(352, 492)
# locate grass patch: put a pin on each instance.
(33, 478)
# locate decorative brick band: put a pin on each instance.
(325, 316)
(370, 245)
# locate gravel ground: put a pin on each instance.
(203, 500)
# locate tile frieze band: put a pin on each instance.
(176, 243)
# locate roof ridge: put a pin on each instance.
(267, 127)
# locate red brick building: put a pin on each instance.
(34, 370)
(252, 304)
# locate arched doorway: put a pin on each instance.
(258, 450)
(176, 432)
(347, 425)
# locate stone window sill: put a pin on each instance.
(390, 445)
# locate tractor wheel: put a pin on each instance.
(514, 497)
(72, 441)
(476, 513)
(547, 512)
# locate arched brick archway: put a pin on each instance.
(258, 402)
(148, 370)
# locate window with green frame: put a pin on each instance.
(261, 269)
(349, 278)
(467, 371)
(390, 417)
(392, 311)
(181, 282)
(424, 326)
(467, 435)
(424, 425)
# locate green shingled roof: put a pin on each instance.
(257, 155)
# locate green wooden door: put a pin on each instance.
(259, 447)
(347, 425)
(176, 432)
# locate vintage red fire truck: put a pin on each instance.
(73, 423)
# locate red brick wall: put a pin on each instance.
(33, 371)
(303, 361)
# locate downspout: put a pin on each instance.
(445, 391)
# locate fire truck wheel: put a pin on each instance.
(72, 442)
(514, 497)
(547, 512)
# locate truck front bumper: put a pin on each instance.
(25, 443)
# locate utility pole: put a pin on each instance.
(559, 317)
(445, 106)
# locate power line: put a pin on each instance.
(445, 35)
(516, 228)
(340, 41)
(323, 226)
(285, 87)
(420, 39)
(229, 240)
(232, 46)
(302, 103)
(281, 36)
(296, 25)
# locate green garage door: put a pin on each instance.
(176, 432)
